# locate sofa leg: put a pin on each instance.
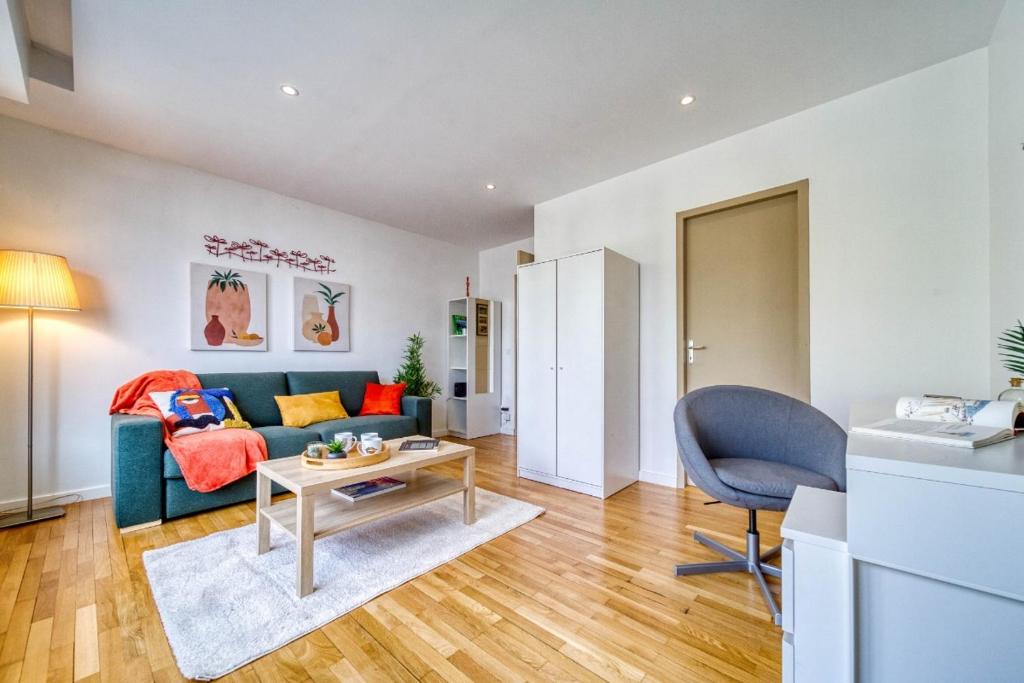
(140, 527)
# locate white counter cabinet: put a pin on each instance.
(816, 599)
(920, 577)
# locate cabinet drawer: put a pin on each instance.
(963, 534)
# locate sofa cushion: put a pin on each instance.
(282, 442)
(383, 399)
(350, 383)
(388, 426)
(254, 393)
(767, 478)
(306, 409)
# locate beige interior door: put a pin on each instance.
(744, 293)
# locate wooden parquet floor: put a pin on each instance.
(586, 592)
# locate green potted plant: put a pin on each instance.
(1011, 348)
(414, 373)
(336, 449)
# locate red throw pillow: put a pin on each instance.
(383, 399)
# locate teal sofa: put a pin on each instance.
(147, 484)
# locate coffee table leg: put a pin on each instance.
(262, 523)
(304, 545)
(469, 495)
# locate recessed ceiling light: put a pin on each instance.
(687, 100)
(290, 90)
(490, 186)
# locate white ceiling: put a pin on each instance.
(408, 108)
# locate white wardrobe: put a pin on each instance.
(578, 394)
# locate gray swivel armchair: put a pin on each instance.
(751, 448)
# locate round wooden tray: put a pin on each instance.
(352, 461)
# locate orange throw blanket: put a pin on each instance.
(209, 460)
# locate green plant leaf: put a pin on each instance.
(413, 372)
(1011, 347)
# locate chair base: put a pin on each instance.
(754, 562)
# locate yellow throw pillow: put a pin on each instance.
(305, 409)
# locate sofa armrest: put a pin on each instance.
(136, 461)
(419, 407)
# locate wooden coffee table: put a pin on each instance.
(315, 513)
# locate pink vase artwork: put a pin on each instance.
(227, 298)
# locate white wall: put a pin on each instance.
(497, 272)
(1006, 175)
(899, 249)
(129, 227)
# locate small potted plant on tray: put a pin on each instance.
(336, 449)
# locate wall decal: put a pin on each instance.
(228, 309)
(257, 251)
(321, 318)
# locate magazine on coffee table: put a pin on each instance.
(420, 446)
(368, 489)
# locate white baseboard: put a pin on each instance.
(39, 501)
(659, 478)
(438, 433)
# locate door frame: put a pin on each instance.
(801, 189)
(522, 258)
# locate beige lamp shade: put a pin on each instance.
(33, 280)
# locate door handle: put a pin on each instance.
(690, 348)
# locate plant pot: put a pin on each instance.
(214, 331)
(1015, 392)
(332, 322)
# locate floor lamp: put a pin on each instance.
(31, 280)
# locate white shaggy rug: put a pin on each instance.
(223, 606)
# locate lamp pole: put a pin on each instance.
(30, 514)
(31, 402)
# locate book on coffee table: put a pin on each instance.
(368, 489)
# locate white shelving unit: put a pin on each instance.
(475, 359)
